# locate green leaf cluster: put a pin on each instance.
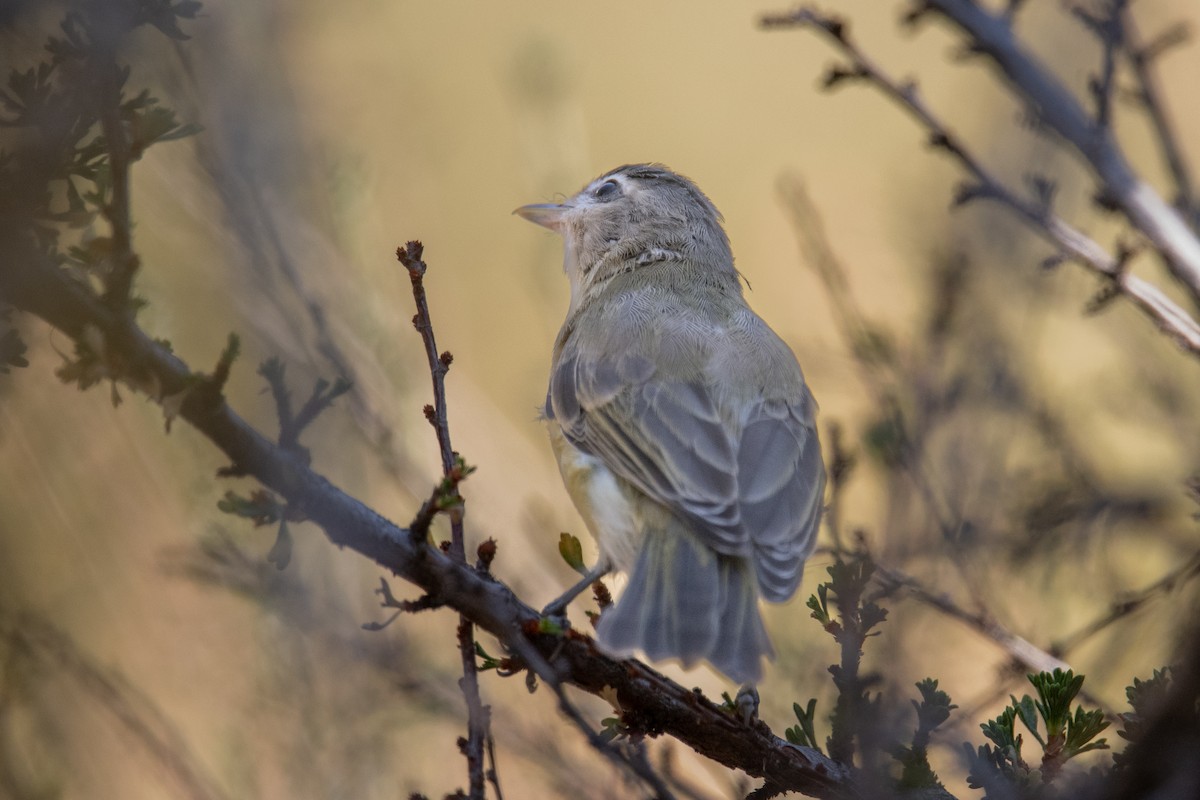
(1070, 731)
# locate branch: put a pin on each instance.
(478, 715)
(1057, 108)
(1072, 243)
(439, 365)
(657, 705)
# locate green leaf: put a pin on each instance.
(804, 734)
(1026, 709)
(572, 552)
(935, 705)
(1056, 691)
(1001, 730)
(1084, 727)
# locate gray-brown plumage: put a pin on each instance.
(682, 425)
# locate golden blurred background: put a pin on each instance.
(150, 651)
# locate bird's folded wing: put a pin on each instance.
(781, 484)
(754, 492)
(665, 438)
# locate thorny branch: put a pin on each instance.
(1072, 243)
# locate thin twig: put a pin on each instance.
(322, 397)
(841, 464)
(274, 372)
(1141, 57)
(478, 715)
(1149, 299)
(1108, 28)
(439, 364)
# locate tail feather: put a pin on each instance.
(686, 602)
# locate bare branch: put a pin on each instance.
(1107, 27)
(1166, 314)
(1060, 111)
(478, 715)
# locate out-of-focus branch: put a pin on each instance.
(655, 704)
(993, 36)
(1142, 56)
(1072, 243)
(1019, 649)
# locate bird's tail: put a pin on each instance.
(687, 602)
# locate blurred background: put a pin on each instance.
(1025, 459)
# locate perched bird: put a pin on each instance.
(682, 425)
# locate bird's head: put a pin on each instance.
(632, 217)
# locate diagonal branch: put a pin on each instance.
(993, 36)
(1072, 243)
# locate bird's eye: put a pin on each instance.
(607, 190)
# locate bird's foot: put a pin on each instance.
(746, 703)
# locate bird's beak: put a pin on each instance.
(548, 215)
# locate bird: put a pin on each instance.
(682, 425)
